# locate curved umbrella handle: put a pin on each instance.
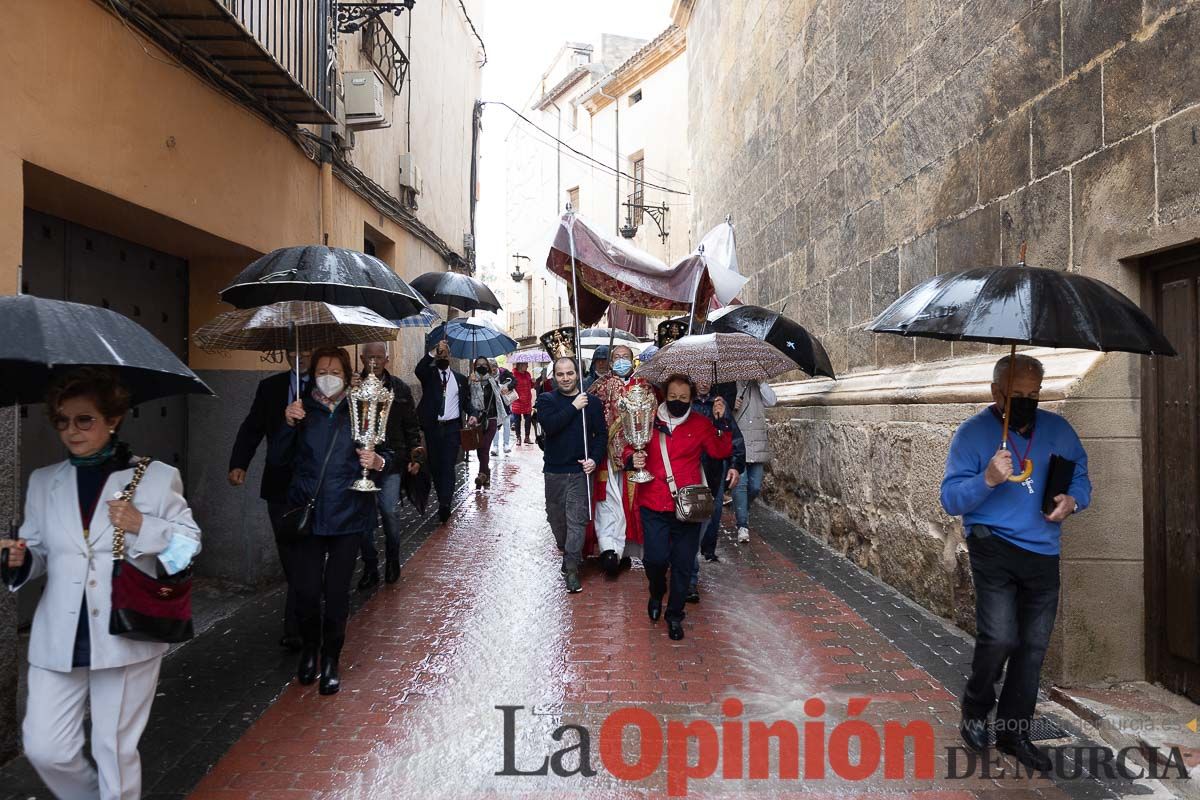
(1026, 471)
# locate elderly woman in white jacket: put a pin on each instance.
(750, 410)
(67, 536)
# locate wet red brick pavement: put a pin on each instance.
(480, 619)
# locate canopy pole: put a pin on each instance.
(579, 349)
(296, 364)
(696, 291)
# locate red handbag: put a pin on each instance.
(145, 608)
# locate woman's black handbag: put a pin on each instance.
(145, 608)
(299, 521)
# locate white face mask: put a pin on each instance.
(330, 385)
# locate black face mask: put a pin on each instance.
(481, 370)
(443, 363)
(677, 408)
(1022, 412)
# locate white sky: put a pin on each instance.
(522, 36)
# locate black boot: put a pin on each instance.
(306, 672)
(610, 562)
(391, 572)
(654, 609)
(1022, 748)
(675, 629)
(974, 731)
(370, 578)
(331, 682)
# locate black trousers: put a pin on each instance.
(323, 567)
(285, 548)
(1016, 597)
(444, 444)
(669, 544)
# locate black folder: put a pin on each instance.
(1058, 481)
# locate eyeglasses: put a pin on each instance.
(83, 422)
(374, 359)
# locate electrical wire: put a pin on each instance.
(482, 46)
(609, 168)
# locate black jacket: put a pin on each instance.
(263, 420)
(431, 393)
(563, 426)
(403, 427)
(339, 510)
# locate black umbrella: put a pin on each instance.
(1023, 305)
(782, 333)
(325, 274)
(456, 290)
(40, 339)
(417, 488)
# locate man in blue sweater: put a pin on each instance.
(1014, 549)
(569, 462)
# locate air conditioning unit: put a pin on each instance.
(366, 106)
(410, 174)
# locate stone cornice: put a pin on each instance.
(681, 12)
(642, 64)
(963, 380)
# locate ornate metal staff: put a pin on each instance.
(578, 346)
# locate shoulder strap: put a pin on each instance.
(139, 472)
(662, 441)
(337, 429)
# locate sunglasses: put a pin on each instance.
(83, 422)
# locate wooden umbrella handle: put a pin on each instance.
(1027, 464)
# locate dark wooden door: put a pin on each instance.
(1172, 479)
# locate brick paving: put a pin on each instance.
(481, 620)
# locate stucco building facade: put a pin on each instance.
(866, 145)
(145, 163)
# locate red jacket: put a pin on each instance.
(524, 386)
(694, 437)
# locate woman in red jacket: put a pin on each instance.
(667, 542)
(522, 407)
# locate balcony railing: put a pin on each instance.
(280, 51)
(385, 53)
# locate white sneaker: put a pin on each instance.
(743, 535)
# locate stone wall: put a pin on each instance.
(866, 145)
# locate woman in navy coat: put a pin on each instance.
(319, 423)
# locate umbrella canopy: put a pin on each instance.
(425, 318)
(613, 270)
(1023, 305)
(324, 274)
(417, 488)
(785, 335)
(718, 358)
(456, 290)
(40, 339)
(471, 338)
(270, 327)
(596, 336)
(530, 357)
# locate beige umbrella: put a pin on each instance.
(717, 357)
(274, 327)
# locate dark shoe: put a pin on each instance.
(528, 441)
(573, 584)
(563, 569)
(443, 514)
(974, 733)
(306, 672)
(293, 643)
(693, 596)
(675, 629)
(391, 572)
(626, 563)
(711, 557)
(654, 609)
(485, 479)
(610, 563)
(1025, 752)
(330, 680)
(370, 577)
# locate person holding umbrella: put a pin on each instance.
(445, 403)
(1013, 540)
(318, 446)
(681, 437)
(719, 473)
(522, 406)
(67, 535)
(487, 400)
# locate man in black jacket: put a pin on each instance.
(569, 461)
(445, 404)
(403, 435)
(265, 417)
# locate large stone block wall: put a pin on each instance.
(865, 145)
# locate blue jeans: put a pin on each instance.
(503, 422)
(389, 509)
(668, 544)
(746, 492)
(714, 476)
(1016, 597)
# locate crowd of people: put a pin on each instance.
(707, 437)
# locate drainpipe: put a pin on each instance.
(616, 157)
(326, 201)
(558, 165)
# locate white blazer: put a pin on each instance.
(54, 536)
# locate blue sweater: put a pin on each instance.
(1012, 511)
(563, 425)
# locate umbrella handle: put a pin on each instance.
(1027, 464)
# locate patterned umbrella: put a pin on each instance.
(530, 357)
(271, 327)
(471, 338)
(425, 318)
(717, 357)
